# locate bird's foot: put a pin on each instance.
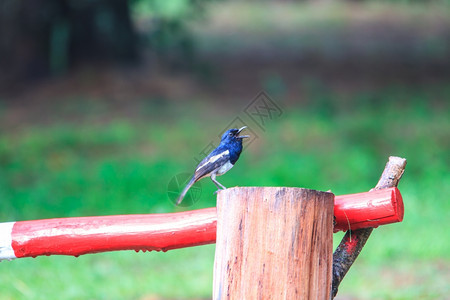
(215, 193)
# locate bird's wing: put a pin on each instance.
(213, 161)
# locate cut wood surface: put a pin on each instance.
(273, 243)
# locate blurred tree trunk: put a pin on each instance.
(47, 37)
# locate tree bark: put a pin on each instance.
(273, 243)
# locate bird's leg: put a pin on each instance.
(218, 184)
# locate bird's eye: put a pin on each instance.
(230, 134)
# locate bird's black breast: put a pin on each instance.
(235, 151)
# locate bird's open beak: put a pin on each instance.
(242, 136)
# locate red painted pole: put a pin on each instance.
(77, 236)
(370, 209)
(162, 232)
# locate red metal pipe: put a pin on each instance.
(162, 232)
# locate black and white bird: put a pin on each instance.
(219, 161)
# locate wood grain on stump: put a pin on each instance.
(273, 243)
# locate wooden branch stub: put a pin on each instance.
(273, 243)
(392, 173)
(354, 240)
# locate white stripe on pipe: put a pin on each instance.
(6, 250)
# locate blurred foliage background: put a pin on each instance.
(102, 103)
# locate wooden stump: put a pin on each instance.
(273, 243)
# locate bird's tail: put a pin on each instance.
(186, 189)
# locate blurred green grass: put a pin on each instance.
(123, 166)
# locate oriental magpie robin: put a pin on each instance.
(219, 161)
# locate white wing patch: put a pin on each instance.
(212, 159)
(225, 168)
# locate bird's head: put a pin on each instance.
(232, 135)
